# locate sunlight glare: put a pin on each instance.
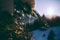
(50, 11)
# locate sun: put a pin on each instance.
(50, 12)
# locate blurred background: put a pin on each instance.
(48, 10)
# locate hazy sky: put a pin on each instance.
(48, 7)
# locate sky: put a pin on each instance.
(49, 8)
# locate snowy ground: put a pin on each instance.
(39, 35)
